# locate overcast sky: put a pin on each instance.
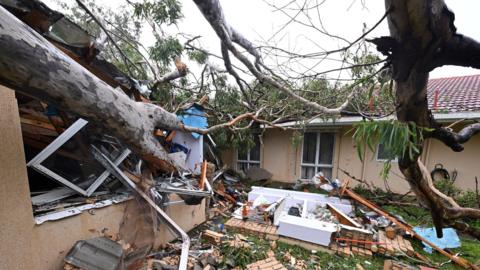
(258, 21)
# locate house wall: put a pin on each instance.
(279, 156)
(283, 160)
(370, 169)
(466, 162)
(26, 245)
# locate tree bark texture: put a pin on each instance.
(421, 37)
(33, 66)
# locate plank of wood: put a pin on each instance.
(42, 124)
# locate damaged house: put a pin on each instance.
(65, 179)
(328, 146)
(96, 176)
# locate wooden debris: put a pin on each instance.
(406, 227)
(203, 176)
(390, 232)
(267, 264)
(212, 237)
(396, 265)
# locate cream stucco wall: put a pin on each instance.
(467, 162)
(279, 155)
(29, 246)
(283, 160)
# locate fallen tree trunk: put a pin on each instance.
(31, 65)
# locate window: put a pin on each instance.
(383, 154)
(250, 158)
(317, 154)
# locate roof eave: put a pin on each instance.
(349, 120)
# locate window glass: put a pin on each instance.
(326, 148)
(384, 154)
(313, 162)
(327, 172)
(307, 172)
(242, 166)
(255, 151)
(242, 154)
(309, 147)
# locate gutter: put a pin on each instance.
(349, 120)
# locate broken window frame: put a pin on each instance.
(36, 162)
(317, 165)
(248, 162)
(171, 225)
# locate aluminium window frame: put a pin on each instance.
(249, 161)
(36, 162)
(317, 165)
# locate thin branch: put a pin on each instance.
(125, 58)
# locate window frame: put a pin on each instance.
(317, 165)
(377, 151)
(249, 161)
(36, 162)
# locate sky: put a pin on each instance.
(258, 20)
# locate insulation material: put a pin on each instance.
(195, 150)
(273, 195)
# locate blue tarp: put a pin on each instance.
(194, 117)
(449, 240)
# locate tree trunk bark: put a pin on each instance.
(33, 66)
(419, 31)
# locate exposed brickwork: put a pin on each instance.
(262, 230)
(267, 264)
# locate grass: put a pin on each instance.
(469, 250)
(259, 247)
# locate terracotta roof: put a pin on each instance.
(454, 94)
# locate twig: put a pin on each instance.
(125, 58)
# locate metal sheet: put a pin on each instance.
(95, 254)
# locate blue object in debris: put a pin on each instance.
(51, 110)
(179, 148)
(194, 117)
(449, 240)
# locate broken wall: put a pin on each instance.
(29, 246)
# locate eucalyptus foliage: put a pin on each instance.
(399, 139)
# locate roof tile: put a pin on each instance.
(455, 94)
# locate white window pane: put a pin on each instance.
(307, 172)
(326, 148)
(309, 147)
(327, 172)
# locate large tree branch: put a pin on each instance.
(213, 13)
(33, 66)
(459, 50)
(454, 140)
